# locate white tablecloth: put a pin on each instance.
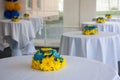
(106, 27)
(114, 19)
(19, 68)
(103, 47)
(19, 35)
(38, 24)
(111, 20)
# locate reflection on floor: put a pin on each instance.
(7, 53)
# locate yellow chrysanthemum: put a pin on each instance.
(109, 17)
(35, 64)
(46, 49)
(52, 58)
(47, 63)
(89, 32)
(64, 62)
(57, 66)
(46, 53)
(89, 25)
(100, 21)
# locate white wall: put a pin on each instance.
(71, 13)
(78, 11)
(87, 10)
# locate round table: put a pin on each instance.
(106, 27)
(19, 68)
(104, 47)
(19, 35)
(111, 20)
(114, 19)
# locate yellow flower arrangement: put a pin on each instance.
(26, 15)
(90, 30)
(100, 20)
(15, 19)
(109, 16)
(48, 59)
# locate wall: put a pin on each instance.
(2, 2)
(78, 11)
(71, 13)
(87, 10)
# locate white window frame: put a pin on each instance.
(38, 4)
(27, 5)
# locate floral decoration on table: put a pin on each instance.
(26, 16)
(48, 59)
(12, 8)
(109, 16)
(15, 19)
(90, 30)
(100, 20)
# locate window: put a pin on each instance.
(38, 4)
(108, 7)
(53, 20)
(29, 4)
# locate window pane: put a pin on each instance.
(102, 5)
(29, 4)
(113, 5)
(108, 7)
(51, 11)
(38, 3)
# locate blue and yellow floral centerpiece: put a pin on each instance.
(15, 19)
(108, 16)
(26, 16)
(100, 20)
(48, 59)
(90, 30)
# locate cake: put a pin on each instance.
(48, 59)
(100, 20)
(108, 16)
(90, 30)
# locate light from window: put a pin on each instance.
(108, 6)
(38, 3)
(29, 4)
